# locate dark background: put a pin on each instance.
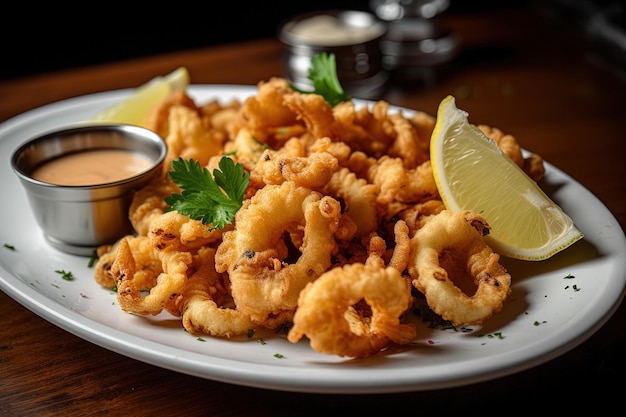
(52, 36)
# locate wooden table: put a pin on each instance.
(514, 72)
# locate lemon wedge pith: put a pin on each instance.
(472, 173)
(136, 108)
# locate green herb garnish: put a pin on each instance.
(213, 199)
(323, 74)
(92, 259)
(66, 275)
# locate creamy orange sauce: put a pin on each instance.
(92, 167)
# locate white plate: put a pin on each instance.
(545, 316)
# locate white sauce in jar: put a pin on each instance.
(92, 167)
(328, 30)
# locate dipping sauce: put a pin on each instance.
(332, 31)
(92, 167)
(80, 180)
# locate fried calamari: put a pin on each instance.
(340, 226)
(458, 273)
(355, 310)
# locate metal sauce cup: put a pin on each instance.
(78, 218)
(352, 36)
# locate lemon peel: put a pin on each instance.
(472, 173)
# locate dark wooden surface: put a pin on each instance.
(516, 71)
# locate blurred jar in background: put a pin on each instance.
(416, 46)
(352, 36)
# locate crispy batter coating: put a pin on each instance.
(279, 218)
(149, 203)
(173, 229)
(267, 116)
(340, 222)
(159, 117)
(169, 284)
(358, 197)
(204, 302)
(312, 171)
(147, 266)
(448, 255)
(329, 316)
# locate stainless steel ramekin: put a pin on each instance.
(352, 36)
(78, 219)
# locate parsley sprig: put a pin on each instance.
(213, 199)
(323, 74)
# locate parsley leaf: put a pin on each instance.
(213, 199)
(66, 275)
(323, 74)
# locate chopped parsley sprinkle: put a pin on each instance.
(66, 275)
(496, 335)
(279, 356)
(10, 247)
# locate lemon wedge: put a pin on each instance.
(136, 108)
(472, 173)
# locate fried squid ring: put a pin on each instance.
(398, 184)
(203, 303)
(147, 269)
(169, 283)
(330, 316)
(408, 145)
(448, 253)
(158, 119)
(149, 203)
(173, 229)
(363, 130)
(264, 284)
(245, 148)
(313, 110)
(267, 116)
(418, 214)
(359, 198)
(312, 171)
